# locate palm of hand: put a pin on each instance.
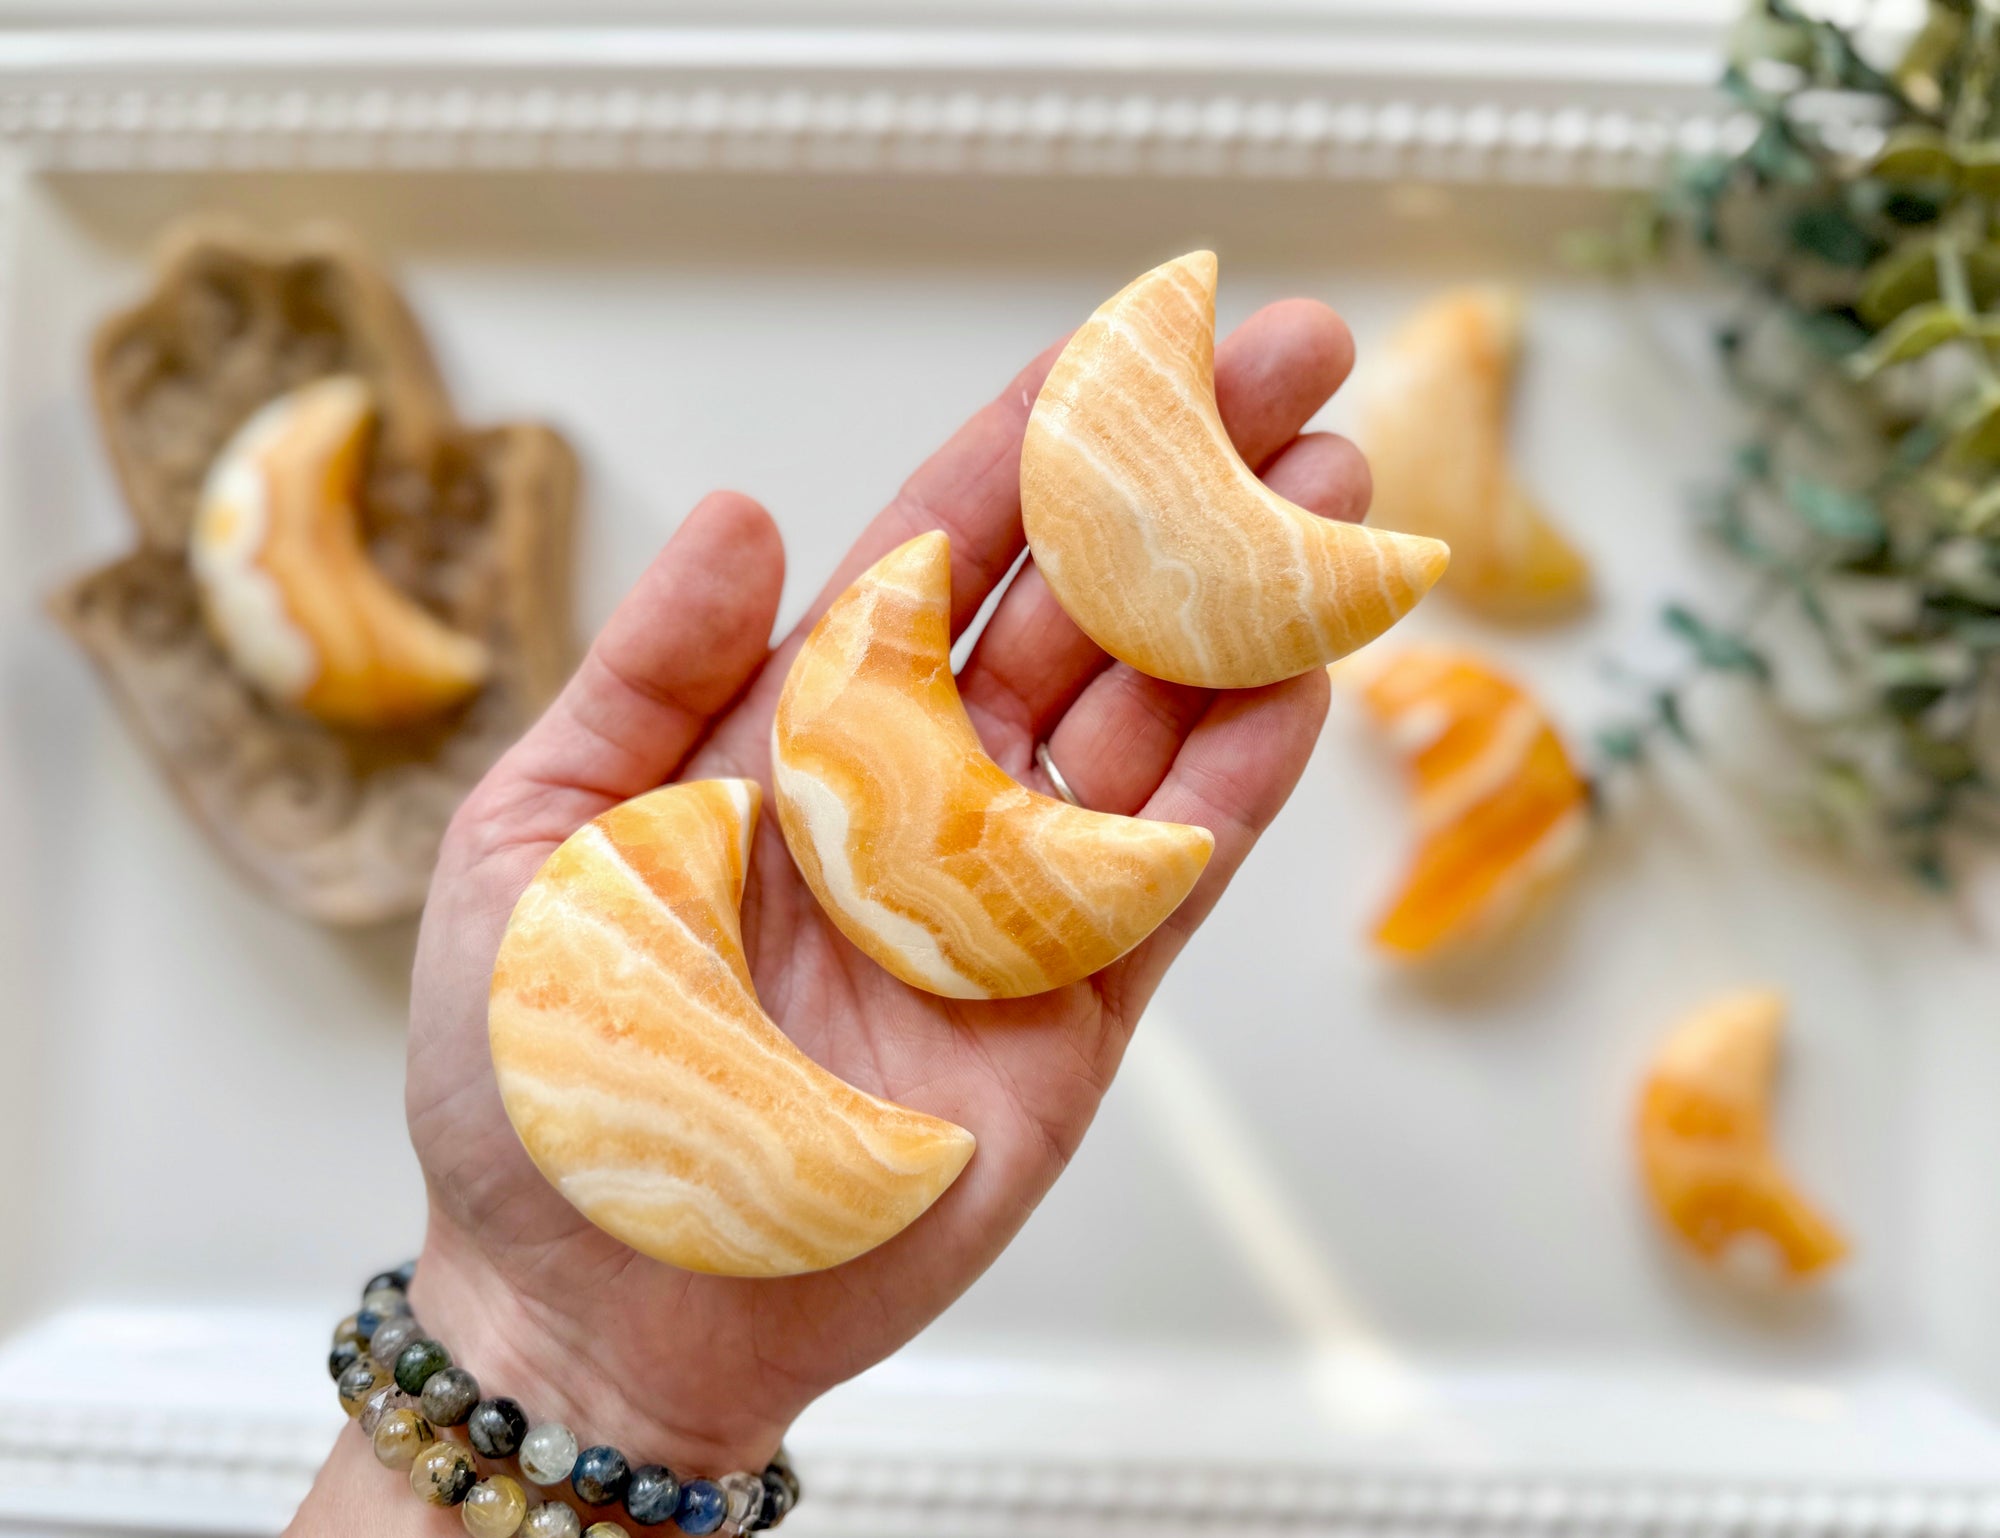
(681, 685)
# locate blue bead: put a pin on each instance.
(405, 1274)
(367, 1322)
(652, 1495)
(702, 1507)
(599, 1476)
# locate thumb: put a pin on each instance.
(681, 645)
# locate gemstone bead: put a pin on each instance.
(496, 1427)
(495, 1508)
(599, 1476)
(780, 1495)
(342, 1357)
(651, 1495)
(443, 1474)
(383, 1279)
(781, 1467)
(745, 1496)
(405, 1274)
(386, 1398)
(399, 1437)
(450, 1396)
(384, 1303)
(605, 1530)
(702, 1507)
(356, 1384)
(349, 1331)
(418, 1362)
(390, 1337)
(556, 1519)
(548, 1453)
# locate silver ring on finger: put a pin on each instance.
(1046, 762)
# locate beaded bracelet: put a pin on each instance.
(400, 1385)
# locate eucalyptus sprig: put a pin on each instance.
(1859, 220)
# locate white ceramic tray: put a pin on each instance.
(1345, 1250)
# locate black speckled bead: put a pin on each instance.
(496, 1427)
(356, 1384)
(443, 1474)
(449, 1397)
(343, 1356)
(651, 1495)
(384, 1279)
(777, 1499)
(418, 1363)
(599, 1476)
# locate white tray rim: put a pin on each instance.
(1520, 91)
(1347, 92)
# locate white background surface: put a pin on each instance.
(1428, 1177)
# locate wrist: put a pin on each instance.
(539, 1352)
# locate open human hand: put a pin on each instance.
(705, 1373)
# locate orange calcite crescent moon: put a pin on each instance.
(1156, 537)
(1435, 432)
(921, 848)
(648, 1084)
(1501, 810)
(286, 583)
(1704, 1138)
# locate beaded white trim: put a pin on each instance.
(847, 131)
(233, 1476)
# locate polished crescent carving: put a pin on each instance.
(1154, 535)
(1501, 810)
(1705, 1144)
(285, 580)
(917, 844)
(648, 1084)
(1435, 432)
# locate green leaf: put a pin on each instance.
(1830, 233)
(1915, 154)
(1775, 156)
(1905, 276)
(1622, 744)
(1977, 632)
(1832, 333)
(1979, 165)
(1838, 514)
(1667, 710)
(1975, 430)
(1715, 649)
(1939, 758)
(1911, 335)
(1754, 460)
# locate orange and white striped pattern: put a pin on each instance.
(1704, 1141)
(1154, 535)
(925, 852)
(1501, 810)
(648, 1084)
(1435, 409)
(286, 584)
